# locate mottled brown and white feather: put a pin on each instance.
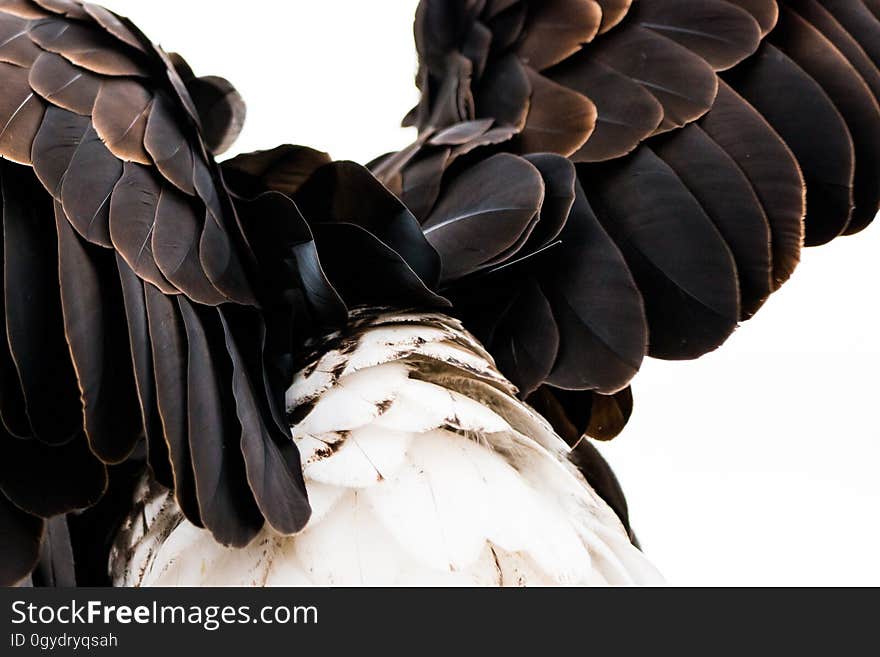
(422, 468)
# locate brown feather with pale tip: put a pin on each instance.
(723, 35)
(122, 109)
(613, 11)
(133, 204)
(16, 46)
(558, 29)
(62, 84)
(765, 12)
(21, 112)
(559, 120)
(799, 109)
(84, 46)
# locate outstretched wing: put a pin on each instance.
(606, 180)
(129, 304)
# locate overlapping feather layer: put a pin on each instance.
(633, 174)
(422, 469)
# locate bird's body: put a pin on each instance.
(422, 468)
(594, 182)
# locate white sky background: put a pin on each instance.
(755, 465)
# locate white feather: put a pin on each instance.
(355, 400)
(421, 406)
(348, 547)
(366, 457)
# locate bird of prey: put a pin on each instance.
(289, 370)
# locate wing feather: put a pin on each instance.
(143, 243)
(752, 122)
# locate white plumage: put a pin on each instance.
(422, 468)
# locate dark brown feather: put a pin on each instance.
(729, 200)
(63, 84)
(94, 323)
(12, 409)
(421, 182)
(598, 308)
(289, 261)
(680, 262)
(283, 169)
(12, 406)
(576, 414)
(527, 350)
(169, 349)
(176, 247)
(386, 280)
(34, 323)
(55, 145)
(87, 188)
(142, 364)
(21, 112)
(557, 29)
(765, 12)
(221, 109)
(120, 117)
(119, 27)
(345, 192)
(271, 459)
(824, 21)
(851, 96)
(720, 33)
(770, 167)
(67, 8)
(226, 503)
(856, 19)
(168, 147)
(87, 47)
(16, 46)
(75, 166)
(683, 83)
(133, 206)
(20, 537)
(804, 116)
(504, 93)
(482, 216)
(70, 476)
(613, 11)
(57, 568)
(626, 113)
(559, 120)
(23, 9)
(506, 20)
(221, 241)
(559, 177)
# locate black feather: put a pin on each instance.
(34, 323)
(20, 538)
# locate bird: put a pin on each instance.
(287, 370)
